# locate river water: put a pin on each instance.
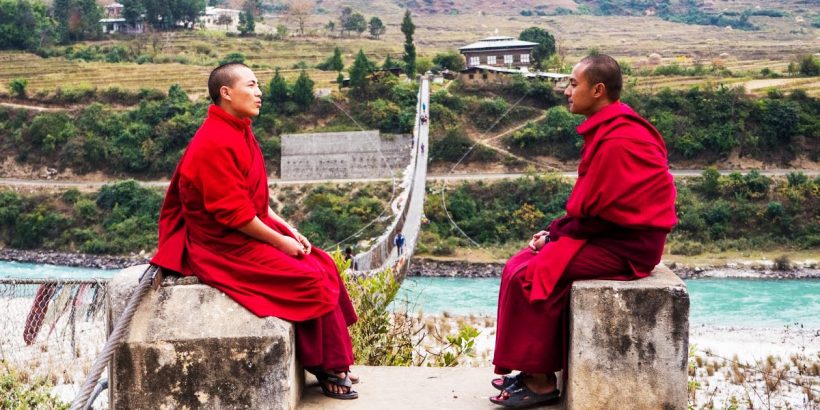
(763, 303)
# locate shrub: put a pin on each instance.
(18, 87)
(19, 391)
(234, 57)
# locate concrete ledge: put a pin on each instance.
(191, 346)
(629, 343)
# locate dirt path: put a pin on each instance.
(31, 107)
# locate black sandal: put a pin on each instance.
(521, 396)
(505, 381)
(325, 377)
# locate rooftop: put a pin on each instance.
(497, 42)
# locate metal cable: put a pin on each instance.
(119, 332)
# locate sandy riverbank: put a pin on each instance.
(729, 363)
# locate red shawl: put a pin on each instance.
(623, 181)
(219, 185)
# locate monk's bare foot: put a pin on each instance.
(539, 383)
(335, 388)
(353, 377)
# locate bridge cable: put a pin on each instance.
(466, 153)
(114, 340)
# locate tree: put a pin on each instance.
(376, 27)
(809, 66)
(334, 62)
(340, 79)
(299, 11)
(449, 60)
(545, 40)
(77, 19)
(390, 63)
(358, 72)
(356, 23)
(344, 20)
(330, 27)
(278, 92)
(303, 91)
(224, 20)
(246, 23)
(24, 25)
(408, 28)
(132, 11)
(18, 87)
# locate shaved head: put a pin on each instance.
(601, 68)
(222, 76)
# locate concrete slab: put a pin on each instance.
(417, 388)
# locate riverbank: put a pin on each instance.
(751, 367)
(747, 269)
(427, 267)
(83, 260)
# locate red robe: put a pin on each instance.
(220, 185)
(618, 215)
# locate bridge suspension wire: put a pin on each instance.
(81, 402)
(392, 182)
(453, 168)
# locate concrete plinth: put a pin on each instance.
(629, 344)
(192, 347)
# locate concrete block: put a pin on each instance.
(629, 343)
(192, 347)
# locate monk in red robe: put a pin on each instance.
(216, 223)
(617, 217)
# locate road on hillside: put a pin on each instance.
(91, 185)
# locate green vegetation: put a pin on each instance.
(545, 47)
(25, 25)
(716, 213)
(145, 140)
(408, 28)
(122, 217)
(384, 338)
(702, 124)
(19, 392)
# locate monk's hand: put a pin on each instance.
(539, 239)
(304, 241)
(291, 246)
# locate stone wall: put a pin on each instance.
(343, 155)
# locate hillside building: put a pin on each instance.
(114, 22)
(215, 16)
(499, 51)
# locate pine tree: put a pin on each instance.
(277, 92)
(358, 73)
(408, 28)
(303, 91)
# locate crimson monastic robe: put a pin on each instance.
(619, 212)
(220, 185)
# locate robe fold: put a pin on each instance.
(617, 217)
(220, 184)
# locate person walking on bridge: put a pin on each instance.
(216, 223)
(617, 217)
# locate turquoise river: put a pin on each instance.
(761, 303)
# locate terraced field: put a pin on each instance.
(627, 38)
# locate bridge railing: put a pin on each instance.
(381, 255)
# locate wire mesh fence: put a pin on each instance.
(52, 329)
